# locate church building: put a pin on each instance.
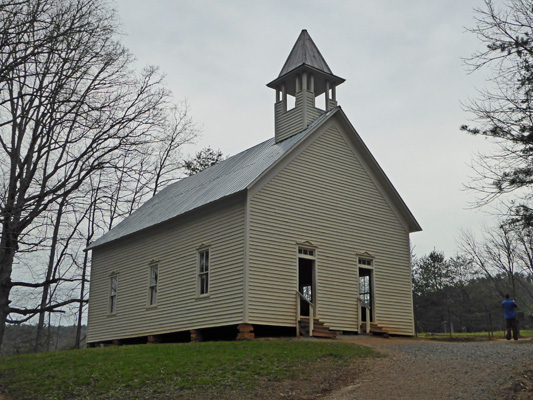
(302, 234)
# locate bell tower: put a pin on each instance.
(305, 76)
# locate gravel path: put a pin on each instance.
(417, 369)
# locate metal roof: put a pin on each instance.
(305, 51)
(219, 181)
(305, 57)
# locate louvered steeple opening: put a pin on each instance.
(304, 76)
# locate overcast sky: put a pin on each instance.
(405, 81)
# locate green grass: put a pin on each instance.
(121, 372)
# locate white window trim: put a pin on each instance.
(112, 299)
(199, 273)
(365, 259)
(301, 252)
(309, 247)
(367, 256)
(150, 286)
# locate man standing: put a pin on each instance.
(510, 317)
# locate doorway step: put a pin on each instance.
(319, 329)
(374, 329)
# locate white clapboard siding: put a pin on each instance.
(173, 246)
(312, 114)
(326, 197)
(298, 118)
(287, 123)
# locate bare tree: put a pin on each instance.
(499, 252)
(180, 130)
(49, 271)
(70, 105)
(504, 110)
(113, 195)
(524, 237)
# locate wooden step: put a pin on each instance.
(324, 335)
(374, 328)
(319, 329)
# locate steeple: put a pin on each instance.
(305, 51)
(305, 75)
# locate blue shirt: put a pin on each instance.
(508, 307)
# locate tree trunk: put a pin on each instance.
(8, 248)
(89, 238)
(38, 344)
(80, 310)
(49, 330)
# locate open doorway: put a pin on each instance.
(366, 294)
(306, 284)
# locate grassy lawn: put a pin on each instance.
(180, 370)
(524, 333)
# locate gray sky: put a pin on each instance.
(405, 81)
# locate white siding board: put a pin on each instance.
(312, 112)
(326, 196)
(288, 123)
(298, 118)
(174, 246)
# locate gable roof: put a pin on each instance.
(239, 173)
(224, 179)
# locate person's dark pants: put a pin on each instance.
(511, 323)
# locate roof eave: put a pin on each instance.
(95, 245)
(410, 220)
(289, 80)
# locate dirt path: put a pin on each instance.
(417, 369)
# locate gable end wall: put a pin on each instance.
(325, 196)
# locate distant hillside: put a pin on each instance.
(19, 339)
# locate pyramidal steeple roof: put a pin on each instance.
(305, 57)
(305, 52)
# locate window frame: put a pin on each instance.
(366, 297)
(153, 288)
(202, 280)
(367, 261)
(113, 294)
(307, 252)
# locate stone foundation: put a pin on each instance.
(246, 332)
(196, 335)
(153, 339)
